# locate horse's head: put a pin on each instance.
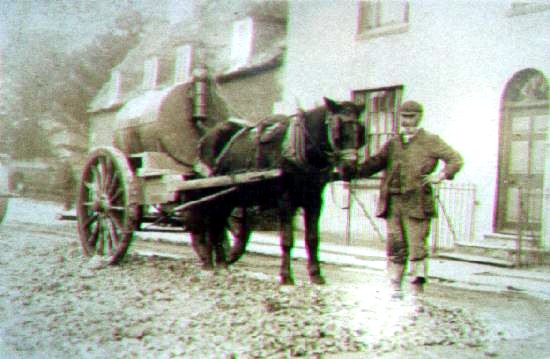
(346, 135)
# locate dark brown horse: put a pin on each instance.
(308, 147)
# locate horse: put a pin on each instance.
(307, 147)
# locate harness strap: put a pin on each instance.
(227, 147)
(331, 127)
(294, 144)
(258, 141)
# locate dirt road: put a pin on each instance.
(56, 304)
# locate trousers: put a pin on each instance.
(407, 236)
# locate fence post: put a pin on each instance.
(348, 219)
(435, 221)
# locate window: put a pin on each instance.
(241, 43)
(114, 87)
(184, 59)
(378, 17)
(150, 73)
(380, 115)
(527, 7)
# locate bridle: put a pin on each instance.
(338, 127)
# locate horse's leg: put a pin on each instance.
(196, 224)
(238, 225)
(286, 232)
(203, 248)
(311, 219)
(217, 238)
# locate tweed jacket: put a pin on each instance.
(405, 165)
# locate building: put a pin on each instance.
(239, 43)
(481, 70)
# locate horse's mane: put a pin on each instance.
(313, 113)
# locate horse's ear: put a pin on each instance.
(360, 106)
(331, 105)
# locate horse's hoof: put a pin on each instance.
(287, 280)
(231, 259)
(207, 267)
(222, 265)
(318, 279)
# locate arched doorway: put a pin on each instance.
(524, 131)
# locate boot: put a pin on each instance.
(417, 285)
(395, 272)
(419, 275)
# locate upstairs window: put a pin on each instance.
(184, 59)
(241, 43)
(380, 115)
(527, 7)
(114, 87)
(378, 17)
(150, 73)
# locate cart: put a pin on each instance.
(115, 189)
(150, 165)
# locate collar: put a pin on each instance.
(406, 138)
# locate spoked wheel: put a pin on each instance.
(238, 234)
(107, 208)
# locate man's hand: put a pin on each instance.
(434, 178)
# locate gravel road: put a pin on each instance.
(55, 303)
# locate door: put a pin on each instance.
(524, 131)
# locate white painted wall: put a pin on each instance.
(455, 58)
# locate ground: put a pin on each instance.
(55, 303)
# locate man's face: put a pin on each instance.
(410, 121)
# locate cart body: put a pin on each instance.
(151, 164)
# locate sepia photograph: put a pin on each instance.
(274, 179)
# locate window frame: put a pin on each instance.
(150, 73)
(242, 43)
(379, 29)
(373, 119)
(183, 64)
(518, 8)
(115, 87)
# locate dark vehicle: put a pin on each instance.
(6, 191)
(33, 178)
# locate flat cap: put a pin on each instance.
(410, 107)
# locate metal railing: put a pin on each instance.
(455, 221)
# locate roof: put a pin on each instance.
(210, 41)
(142, 109)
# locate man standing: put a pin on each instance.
(406, 198)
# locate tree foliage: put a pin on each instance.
(49, 83)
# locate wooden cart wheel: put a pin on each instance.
(107, 208)
(238, 234)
